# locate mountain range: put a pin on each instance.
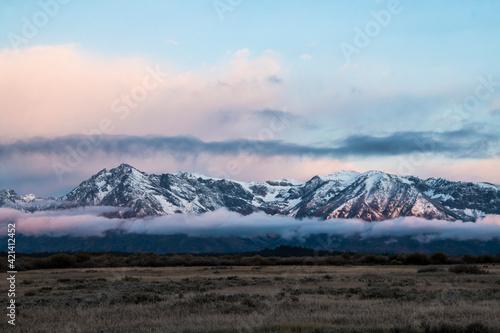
(371, 196)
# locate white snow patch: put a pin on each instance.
(28, 197)
(195, 175)
(100, 183)
(166, 206)
(342, 176)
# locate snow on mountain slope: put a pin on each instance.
(371, 196)
(30, 203)
(9, 198)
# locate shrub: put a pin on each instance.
(469, 258)
(127, 278)
(368, 259)
(309, 261)
(441, 328)
(467, 269)
(417, 259)
(397, 257)
(248, 302)
(439, 258)
(63, 280)
(374, 259)
(60, 260)
(291, 261)
(430, 269)
(476, 328)
(81, 257)
(381, 259)
(139, 298)
(336, 260)
(485, 259)
(257, 260)
(450, 328)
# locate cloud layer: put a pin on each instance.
(87, 222)
(465, 143)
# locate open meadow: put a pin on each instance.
(258, 299)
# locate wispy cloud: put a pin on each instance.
(495, 112)
(274, 79)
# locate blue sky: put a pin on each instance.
(234, 65)
(425, 35)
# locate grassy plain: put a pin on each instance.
(257, 299)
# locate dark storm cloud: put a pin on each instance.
(464, 143)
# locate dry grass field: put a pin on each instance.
(257, 299)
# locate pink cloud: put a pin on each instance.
(87, 222)
(81, 221)
(485, 170)
(62, 90)
(57, 89)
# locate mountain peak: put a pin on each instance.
(194, 175)
(339, 176)
(284, 182)
(28, 197)
(375, 173)
(8, 191)
(373, 195)
(125, 166)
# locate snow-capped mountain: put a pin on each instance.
(30, 203)
(371, 196)
(9, 198)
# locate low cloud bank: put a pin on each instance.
(86, 221)
(82, 221)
